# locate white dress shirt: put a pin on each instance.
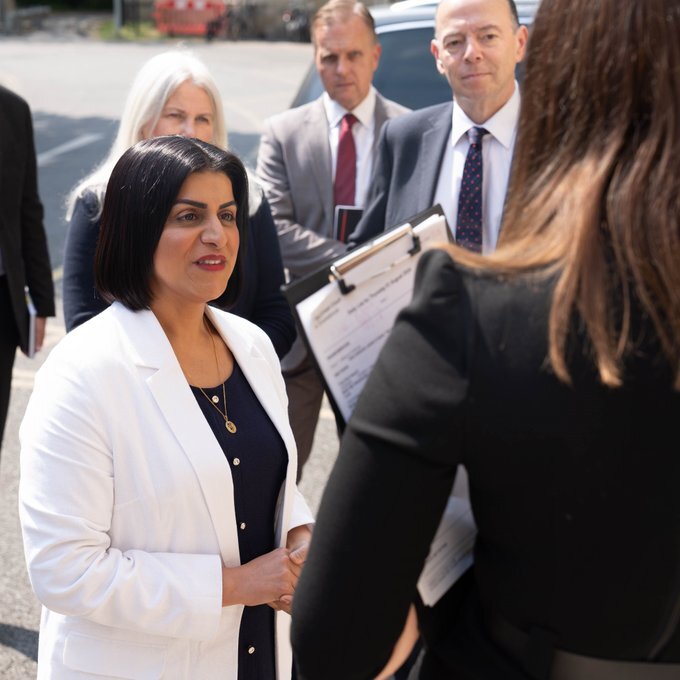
(497, 148)
(364, 134)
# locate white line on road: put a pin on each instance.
(48, 156)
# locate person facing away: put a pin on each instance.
(24, 256)
(174, 93)
(550, 370)
(297, 164)
(172, 544)
(457, 154)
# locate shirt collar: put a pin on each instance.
(501, 125)
(364, 111)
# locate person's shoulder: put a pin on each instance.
(420, 120)
(427, 114)
(11, 98)
(14, 109)
(90, 202)
(90, 347)
(289, 119)
(392, 108)
(437, 270)
(441, 275)
(246, 331)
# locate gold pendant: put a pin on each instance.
(230, 426)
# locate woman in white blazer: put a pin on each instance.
(163, 530)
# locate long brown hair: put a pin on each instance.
(595, 188)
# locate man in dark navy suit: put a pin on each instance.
(421, 155)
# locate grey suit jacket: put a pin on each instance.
(405, 174)
(294, 167)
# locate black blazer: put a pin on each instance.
(574, 490)
(22, 236)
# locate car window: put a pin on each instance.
(407, 73)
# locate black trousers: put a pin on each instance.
(9, 340)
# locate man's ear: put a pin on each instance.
(522, 37)
(434, 49)
(377, 51)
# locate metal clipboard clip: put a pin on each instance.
(341, 267)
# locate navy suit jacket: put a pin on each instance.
(406, 171)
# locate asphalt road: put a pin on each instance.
(76, 88)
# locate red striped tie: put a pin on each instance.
(346, 169)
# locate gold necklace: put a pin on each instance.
(227, 423)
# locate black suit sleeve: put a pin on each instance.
(81, 300)
(34, 251)
(388, 488)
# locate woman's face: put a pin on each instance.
(197, 251)
(187, 112)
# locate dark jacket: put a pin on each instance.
(22, 236)
(573, 488)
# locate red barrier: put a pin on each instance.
(186, 17)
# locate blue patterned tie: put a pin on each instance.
(469, 224)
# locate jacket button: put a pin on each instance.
(251, 650)
(242, 525)
(237, 461)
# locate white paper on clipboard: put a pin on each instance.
(346, 319)
(346, 331)
(451, 551)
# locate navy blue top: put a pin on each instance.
(260, 300)
(257, 457)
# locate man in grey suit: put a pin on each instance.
(422, 156)
(296, 164)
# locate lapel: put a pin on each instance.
(314, 137)
(152, 353)
(381, 117)
(155, 360)
(257, 370)
(431, 154)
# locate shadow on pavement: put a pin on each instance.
(21, 639)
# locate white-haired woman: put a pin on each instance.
(174, 93)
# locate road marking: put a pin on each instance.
(46, 157)
(22, 378)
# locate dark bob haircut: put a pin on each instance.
(143, 186)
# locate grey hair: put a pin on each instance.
(153, 85)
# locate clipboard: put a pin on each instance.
(345, 313)
(346, 310)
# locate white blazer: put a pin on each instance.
(126, 504)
